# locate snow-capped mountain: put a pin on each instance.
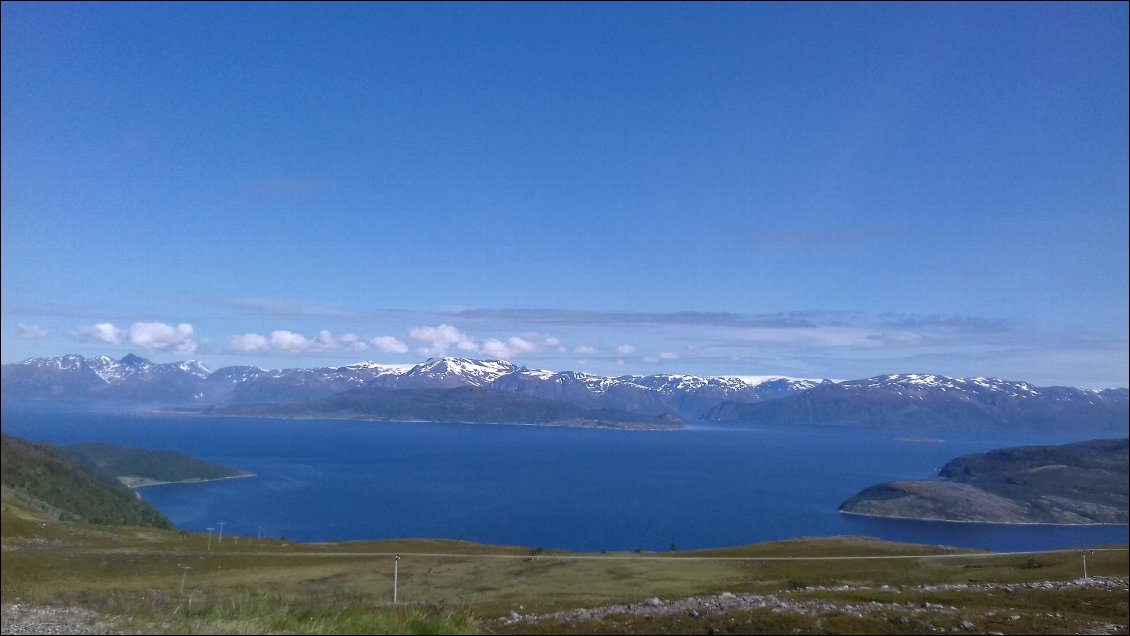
(583, 389)
(288, 386)
(913, 400)
(931, 401)
(74, 378)
(693, 395)
(448, 373)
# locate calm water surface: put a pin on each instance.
(578, 489)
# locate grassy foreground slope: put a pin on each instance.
(249, 585)
(43, 479)
(151, 580)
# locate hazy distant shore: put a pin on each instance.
(558, 424)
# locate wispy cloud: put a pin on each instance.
(777, 320)
(585, 317)
(389, 344)
(102, 332)
(967, 324)
(512, 347)
(286, 308)
(248, 343)
(62, 311)
(32, 332)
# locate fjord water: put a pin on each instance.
(568, 488)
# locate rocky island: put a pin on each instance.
(1081, 483)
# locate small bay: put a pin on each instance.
(564, 488)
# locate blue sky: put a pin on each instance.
(806, 190)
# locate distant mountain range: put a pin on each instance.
(932, 402)
(459, 389)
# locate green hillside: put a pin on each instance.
(40, 477)
(1079, 483)
(138, 466)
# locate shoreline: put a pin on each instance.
(991, 523)
(147, 483)
(628, 427)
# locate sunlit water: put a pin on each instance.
(579, 489)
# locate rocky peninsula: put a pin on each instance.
(1081, 483)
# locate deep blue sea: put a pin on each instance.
(568, 488)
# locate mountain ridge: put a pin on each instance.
(917, 400)
(933, 402)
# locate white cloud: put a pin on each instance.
(32, 332)
(667, 355)
(441, 337)
(625, 349)
(145, 335)
(521, 345)
(514, 346)
(496, 349)
(288, 341)
(103, 332)
(585, 350)
(551, 342)
(325, 340)
(248, 343)
(160, 336)
(388, 344)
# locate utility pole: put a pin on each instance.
(395, 576)
(221, 539)
(210, 539)
(1085, 551)
(186, 568)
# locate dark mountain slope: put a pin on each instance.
(1085, 482)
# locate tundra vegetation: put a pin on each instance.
(147, 579)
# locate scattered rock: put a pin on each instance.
(19, 618)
